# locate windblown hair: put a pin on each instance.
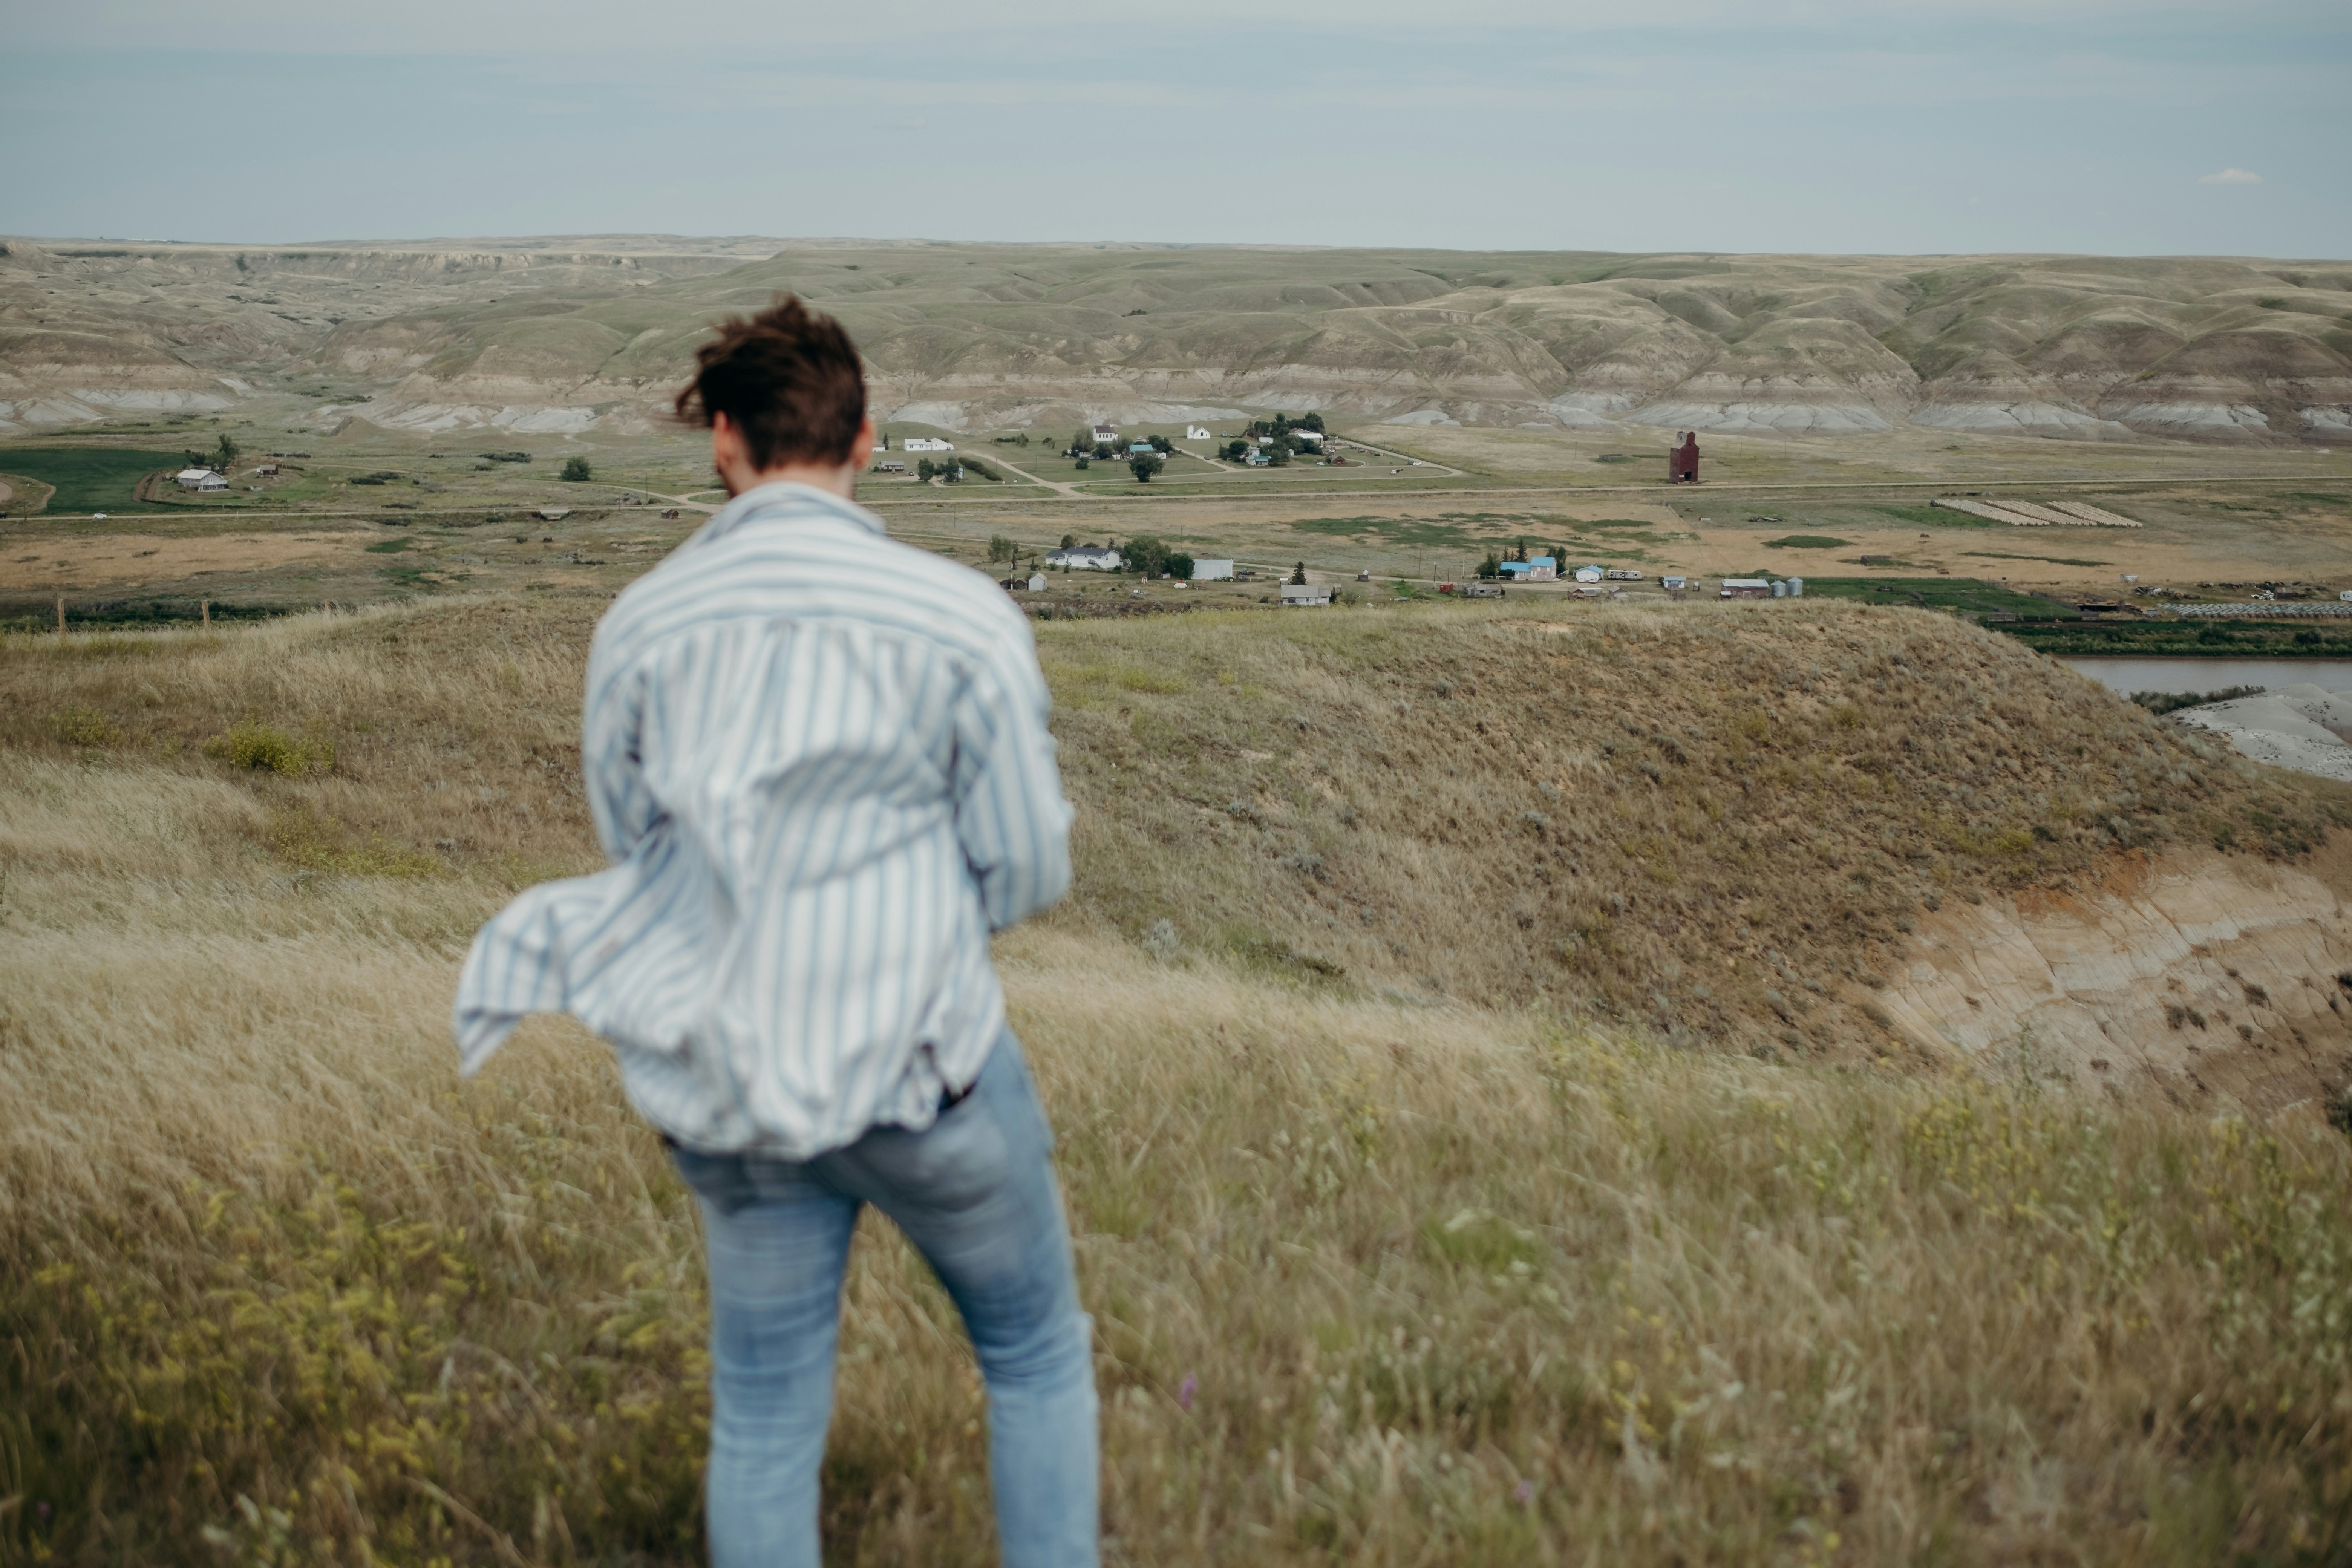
(788, 379)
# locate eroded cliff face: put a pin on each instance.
(584, 332)
(2194, 976)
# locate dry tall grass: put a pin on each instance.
(1374, 1281)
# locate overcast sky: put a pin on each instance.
(1827, 125)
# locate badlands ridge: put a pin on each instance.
(570, 334)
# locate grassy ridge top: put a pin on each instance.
(1603, 808)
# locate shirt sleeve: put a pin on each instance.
(611, 767)
(1010, 812)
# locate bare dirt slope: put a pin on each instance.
(563, 334)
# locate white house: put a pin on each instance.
(1305, 594)
(1106, 434)
(1315, 436)
(1212, 571)
(1196, 433)
(926, 443)
(201, 479)
(1087, 558)
(1587, 573)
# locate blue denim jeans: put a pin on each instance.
(975, 1194)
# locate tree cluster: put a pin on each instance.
(1154, 557)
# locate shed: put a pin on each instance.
(1212, 571)
(1306, 593)
(1673, 584)
(201, 479)
(1087, 558)
(1747, 588)
(1589, 574)
(1037, 582)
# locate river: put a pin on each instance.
(2130, 675)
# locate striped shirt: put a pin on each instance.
(818, 762)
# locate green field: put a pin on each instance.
(1965, 595)
(2192, 639)
(89, 478)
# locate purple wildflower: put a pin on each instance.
(1185, 1390)
(1524, 1494)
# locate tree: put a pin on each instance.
(1083, 441)
(1309, 422)
(1298, 574)
(1179, 565)
(1083, 460)
(225, 454)
(1162, 444)
(1235, 451)
(1103, 450)
(1278, 455)
(1069, 541)
(577, 469)
(1145, 466)
(1001, 547)
(925, 468)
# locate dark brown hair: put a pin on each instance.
(788, 379)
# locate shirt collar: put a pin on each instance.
(785, 496)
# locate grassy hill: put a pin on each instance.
(1411, 1230)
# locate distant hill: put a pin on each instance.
(575, 333)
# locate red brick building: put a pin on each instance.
(1682, 463)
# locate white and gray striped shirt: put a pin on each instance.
(818, 760)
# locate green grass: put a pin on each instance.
(1936, 517)
(390, 546)
(1405, 530)
(2053, 559)
(1965, 595)
(90, 478)
(2191, 639)
(1806, 541)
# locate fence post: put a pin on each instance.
(61, 616)
(204, 609)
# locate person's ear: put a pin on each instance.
(861, 450)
